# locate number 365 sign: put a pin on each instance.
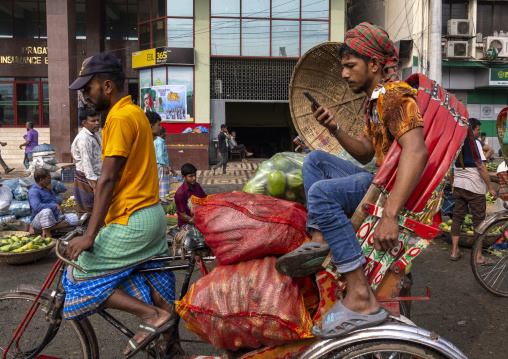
(163, 56)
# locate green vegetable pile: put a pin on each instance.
(171, 208)
(280, 177)
(466, 227)
(14, 244)
(491, 166)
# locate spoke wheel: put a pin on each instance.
(70, 342)
(493, 276)
(384, 349)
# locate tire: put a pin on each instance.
(70, 341)
(494, 277)
(383, 349)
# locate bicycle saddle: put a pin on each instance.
(192, 243)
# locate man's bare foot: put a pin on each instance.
(157, 317)
(317, 237)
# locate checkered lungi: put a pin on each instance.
(46, 219)
(118, 250)
(163, 182)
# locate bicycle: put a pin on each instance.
(399, 338)
(493, 273)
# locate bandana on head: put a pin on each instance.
(373, 41)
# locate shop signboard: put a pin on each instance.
(163, 56)
(498, 77)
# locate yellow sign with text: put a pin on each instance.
(143, 58)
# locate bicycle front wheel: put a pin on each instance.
(70, 342)
(385, 349)
(492, 273)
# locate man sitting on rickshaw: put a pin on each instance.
(334, 187)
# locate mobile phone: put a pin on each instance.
(311, 99)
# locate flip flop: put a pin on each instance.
(303, 261)
(154, 333)
(340, 321)
(456, 258)
(488, 262)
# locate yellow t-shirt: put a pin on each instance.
(127, 133)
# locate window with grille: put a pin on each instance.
(250, 79)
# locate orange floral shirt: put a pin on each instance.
(392, 112)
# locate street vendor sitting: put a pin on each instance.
(190, 187)
(334, 187)
(47, 214)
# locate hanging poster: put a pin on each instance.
(169, 101)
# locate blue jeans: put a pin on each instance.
(334, 187)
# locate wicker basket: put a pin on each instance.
(24, 257)
(319, 71)
(467, 239)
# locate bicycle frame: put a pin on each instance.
(55, 305)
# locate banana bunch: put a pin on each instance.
(489, 198)
(13, 244)
(70, 202)
(491, 166)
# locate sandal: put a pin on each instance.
(154, 333)
(456, 258)
(303, 261)
(340, 321)
(488, 262)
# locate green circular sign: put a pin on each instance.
(491, 53)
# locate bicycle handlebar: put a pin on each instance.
(65, 240)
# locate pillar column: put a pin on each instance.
(62, 70)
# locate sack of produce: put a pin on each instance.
(6, 217)
(55, 175)
(280, 177)
(19, 208)
(248, 304)
(50, 160)
(5, 198)
(12, 184)
(26, 219)
(59, 198)
(239, 226)
(58, 187)
(26, 182)
(20, 193)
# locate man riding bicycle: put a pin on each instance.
(127, 202)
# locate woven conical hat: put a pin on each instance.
(319, 71)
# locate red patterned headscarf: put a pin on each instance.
(373, 41)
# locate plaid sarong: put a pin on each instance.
(83, 193)
(84, 298)
(46, 219)
(118, 249)
(502, 178)
(163, 182)
(373, 41)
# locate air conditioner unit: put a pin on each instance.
(457, 49)
(460, 27)
(500, 43)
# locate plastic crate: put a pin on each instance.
(68, 175)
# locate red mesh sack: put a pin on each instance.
(248, 304)
(240, 226)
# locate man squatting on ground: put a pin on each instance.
(127, 201)
(86, 151)
(335, 187)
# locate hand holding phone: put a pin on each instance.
(311, 99)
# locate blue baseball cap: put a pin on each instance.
(96, 64)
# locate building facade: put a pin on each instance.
(196, 62)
